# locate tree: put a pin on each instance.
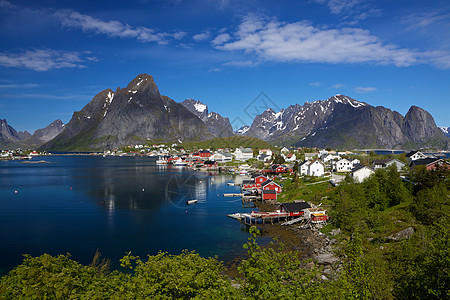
(421, 265)
(278, 159)
(271, 274)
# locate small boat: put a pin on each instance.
(237, 216)
(161, 162)
(193, 201)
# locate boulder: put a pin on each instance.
(326, 258)
(402, 235)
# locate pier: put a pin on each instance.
(233, 195)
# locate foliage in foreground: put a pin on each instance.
(162, 276)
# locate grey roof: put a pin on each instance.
(359, 167)
(411, 153)
(291, 207)
(424, 161)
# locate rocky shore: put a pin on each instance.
(310, 243)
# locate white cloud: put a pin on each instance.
(337, 86)
(18, 85)
(303, 42)
(179, 35)
(7, 4)
(315, 84)
(220, 39)
(114, 28)
(202, 36)
(44, 59)
(339, 6)
(241, 63)
(426, 19)
(365, 89)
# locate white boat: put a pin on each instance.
(237, 216)
(180, 163)
(161, 162)
(193, 201)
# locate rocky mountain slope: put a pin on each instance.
(344, 122)
(216, 124)
(50, 132)
(11, 139)
(128, 116)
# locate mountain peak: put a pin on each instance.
(346, 100)
(143, 83)
(216, 124)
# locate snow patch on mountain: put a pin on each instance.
(200, 107)
(243, 130)
(445, 130)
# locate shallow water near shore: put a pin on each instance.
(78, 204)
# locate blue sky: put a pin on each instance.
(56, 55)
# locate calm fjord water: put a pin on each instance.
(78, 204)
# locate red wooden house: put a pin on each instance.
(280, 169)
(210, 164)
(204, 153)
(248, 184)
(294, 209)
(270, 185)
(269, 195)
(260, 179)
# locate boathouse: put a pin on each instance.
(316, 214)
(268, 195)
(296, 207)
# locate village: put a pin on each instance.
(263, 172)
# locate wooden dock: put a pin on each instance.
(294, 221)
(233, 195)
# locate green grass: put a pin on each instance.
(306, 189)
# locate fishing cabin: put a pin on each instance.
(317, 215)
(294, 209)
(268, 195)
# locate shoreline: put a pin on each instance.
(308, 243)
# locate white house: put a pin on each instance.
(266, 152)
(310, 156)
(284, 150)
(355, 162)
(385, 163)
(360, 173)
(312, 168)
(303, 167)
(343, 165)
(243, 153)
(264, 157)
(316, 168)
(218, 156)
(415, 155)
(329, 157)
(290, 157)
(323, 152)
